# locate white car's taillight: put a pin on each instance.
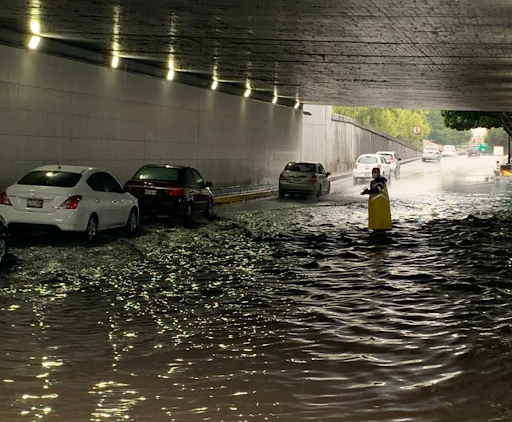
(4, 199)
(71, 203)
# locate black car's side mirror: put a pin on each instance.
(399, 159)
(208, 184)
(328, 173)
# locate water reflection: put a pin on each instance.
(273, 314)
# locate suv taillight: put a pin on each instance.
(313, 179)
(71, 203)
(4, 199)
(281, 177)
(174, 192)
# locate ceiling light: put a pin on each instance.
(170, 75)
(35, 27)
(297, 104)
(274, 100)
(247, 92)
(34, 42)
(115, 61)
(215, 84)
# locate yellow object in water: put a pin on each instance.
(379, 210)
(506, 170)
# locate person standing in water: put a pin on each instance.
(379, 210)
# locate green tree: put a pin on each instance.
(465, 120)
(496, 136)
(443, 135)
(395, 122)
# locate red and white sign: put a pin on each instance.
(416, 130)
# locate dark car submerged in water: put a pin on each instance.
(164, 189)
(3, 240)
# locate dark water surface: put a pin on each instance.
(289, 314)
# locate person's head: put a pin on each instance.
(375, 172)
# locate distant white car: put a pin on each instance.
(449, 151)
(393, 160)
(431, 153)
(70, 198)
(364, 164)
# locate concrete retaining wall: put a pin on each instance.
(59, 110)
(338, 140)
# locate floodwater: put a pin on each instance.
(279, 310)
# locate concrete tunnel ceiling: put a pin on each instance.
(428, 54)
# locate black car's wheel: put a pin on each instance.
(328, 189)
(281, 193)
(3, 247)
(92, 228)
(189, 215)
(208, 212)
(133, 223)
(319, 191)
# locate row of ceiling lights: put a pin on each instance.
(35, 41)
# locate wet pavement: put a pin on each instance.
(284, 310)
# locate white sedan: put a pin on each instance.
(71, 198)
(362, 169)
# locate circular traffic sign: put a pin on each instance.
(416, 130)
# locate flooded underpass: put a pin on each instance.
(278, 310)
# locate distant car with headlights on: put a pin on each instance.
(304, 178)
(71, 199)
(362, 169)
(4, 236)
(431, 153)
(165, 189)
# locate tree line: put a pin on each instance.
(442, 127)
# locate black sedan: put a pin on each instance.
(473, 153)
(164, 189)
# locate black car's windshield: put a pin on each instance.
(164, 174)
(303, 167)
(61, 179)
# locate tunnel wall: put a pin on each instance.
(338, 140)
(70, 112)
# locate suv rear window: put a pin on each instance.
(430, 149)
(164, 174)
(304, 167)
(61, 179)
(367, 160)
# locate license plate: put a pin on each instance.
(34, 203)
(150, 192)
